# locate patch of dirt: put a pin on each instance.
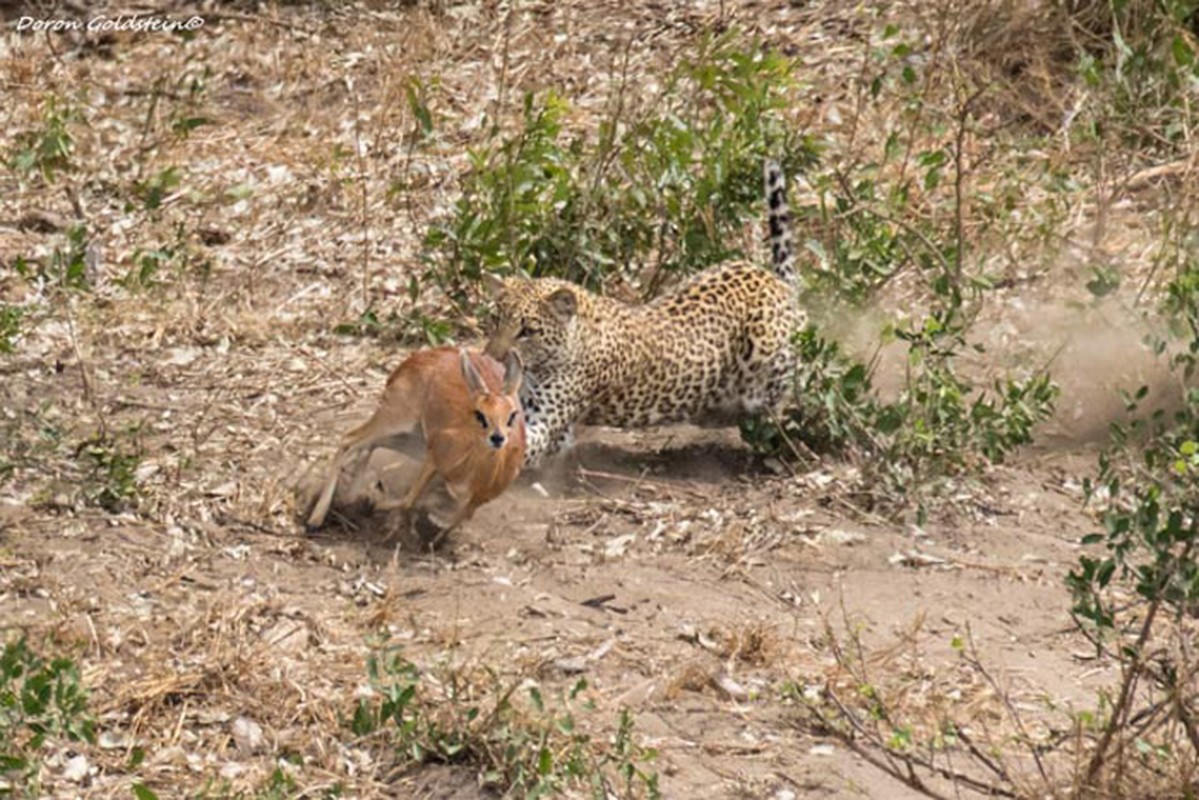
(648, 572)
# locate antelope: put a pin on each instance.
(467, 407)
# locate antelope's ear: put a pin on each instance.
(474, 381)
(514, 373)
(563, 304)
(492, 284)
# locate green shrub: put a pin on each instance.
(524, 749)
(1147, 487)
(46, 150)
(40, 699)
(1139, 65)
(1141, 579)
(110, 479)
(939, 425)
(942, 419)
(66, 267)
(10, 327)
(898, 205)
(659, 191)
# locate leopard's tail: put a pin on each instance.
(782, 254)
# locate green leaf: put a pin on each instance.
(933, 158)
(142, 792)
(10, 763)
(186, 125)
(1104, 575)
(420, 110)
(1184, 56)
(1104, 281)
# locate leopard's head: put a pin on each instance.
(539, 318)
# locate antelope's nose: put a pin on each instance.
(497, 440)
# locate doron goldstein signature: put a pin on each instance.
(101, 24)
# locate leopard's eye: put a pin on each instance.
(526, 332)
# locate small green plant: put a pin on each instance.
(941, 420)
(864, 702)
(187, 114)
(520, 748)
(40, 699)
(427, 329)
(280, 785)
(417, 92)
(110, 474)
(150, 265)
(415, 326)
(10, 327)
(152, 191)
(66, 267)
(46, 150)
(168, 261)
(146, 266)
(367, 324)
(71, 468)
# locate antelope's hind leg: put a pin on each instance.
(427, 471)
(390, 419)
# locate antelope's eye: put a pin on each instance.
(512, 419)
(482, 419)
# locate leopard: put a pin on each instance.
(717, 349)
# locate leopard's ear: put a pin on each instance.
(563, 304)
(492, 284)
